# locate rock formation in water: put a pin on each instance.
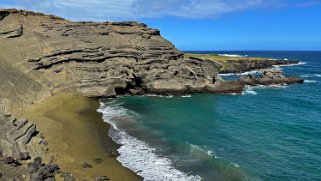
(269, 77)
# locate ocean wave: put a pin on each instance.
(289, 65)
(305, 75)
(156, 95)
(186, 96)
(249, 90)
(235, 165)
(243, 73)
(225, 75)
(282, 86)
(310, 75)
(232, 55)
(250, 72)
(310, 81)
(138, 155)
(201, 149)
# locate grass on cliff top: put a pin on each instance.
(220, 58)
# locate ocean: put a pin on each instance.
(267, 133)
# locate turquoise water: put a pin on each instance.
(265, 134)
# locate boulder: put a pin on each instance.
(102, 178)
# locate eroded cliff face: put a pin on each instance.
(41, 55)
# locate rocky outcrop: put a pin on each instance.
(15, 134)
(47, 55)
(270, 77)
(40, 171)
(240, 66)
(15, 138)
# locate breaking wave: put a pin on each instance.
(138, 155)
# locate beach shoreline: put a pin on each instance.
(76, 135)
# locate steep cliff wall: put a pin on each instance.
(41, 55)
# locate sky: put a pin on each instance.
(203, 24)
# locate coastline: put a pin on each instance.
(76, 135)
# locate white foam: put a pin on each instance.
(271, 86)
(156, 95)
(210, 153)
(249, 90)
(235, 165)
(288, 65)
(232, 55)
(250, 72)
(201, 149)
(225, 75)
(138, 155)
(310, 75)
(310, 81)
(306, 75)
(186, 96)
(301, 63)
(244, 73)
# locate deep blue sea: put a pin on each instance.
(267, 133)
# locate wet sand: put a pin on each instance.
(76, 134)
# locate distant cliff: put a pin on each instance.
(41, 55)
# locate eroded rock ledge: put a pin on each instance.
(99, 59)
(19, 142)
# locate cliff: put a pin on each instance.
(41, 55)
(241, 64)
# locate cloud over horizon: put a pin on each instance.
(103, 10)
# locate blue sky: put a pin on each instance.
(203, 24)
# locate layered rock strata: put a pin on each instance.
(42, 55)
(17, 143)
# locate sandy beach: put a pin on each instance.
(76, 135)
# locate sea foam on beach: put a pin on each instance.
(138, 155)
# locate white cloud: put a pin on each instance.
(103, 10)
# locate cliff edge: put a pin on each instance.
(41, 55)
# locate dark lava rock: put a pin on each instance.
(113, 154)
(41, 171)
(0, 175)
(45, 172)
(102, 178)
(67, 176)
(11, 161)
(98, 160)
(24, 156)
(33, 167)
(86, 165)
